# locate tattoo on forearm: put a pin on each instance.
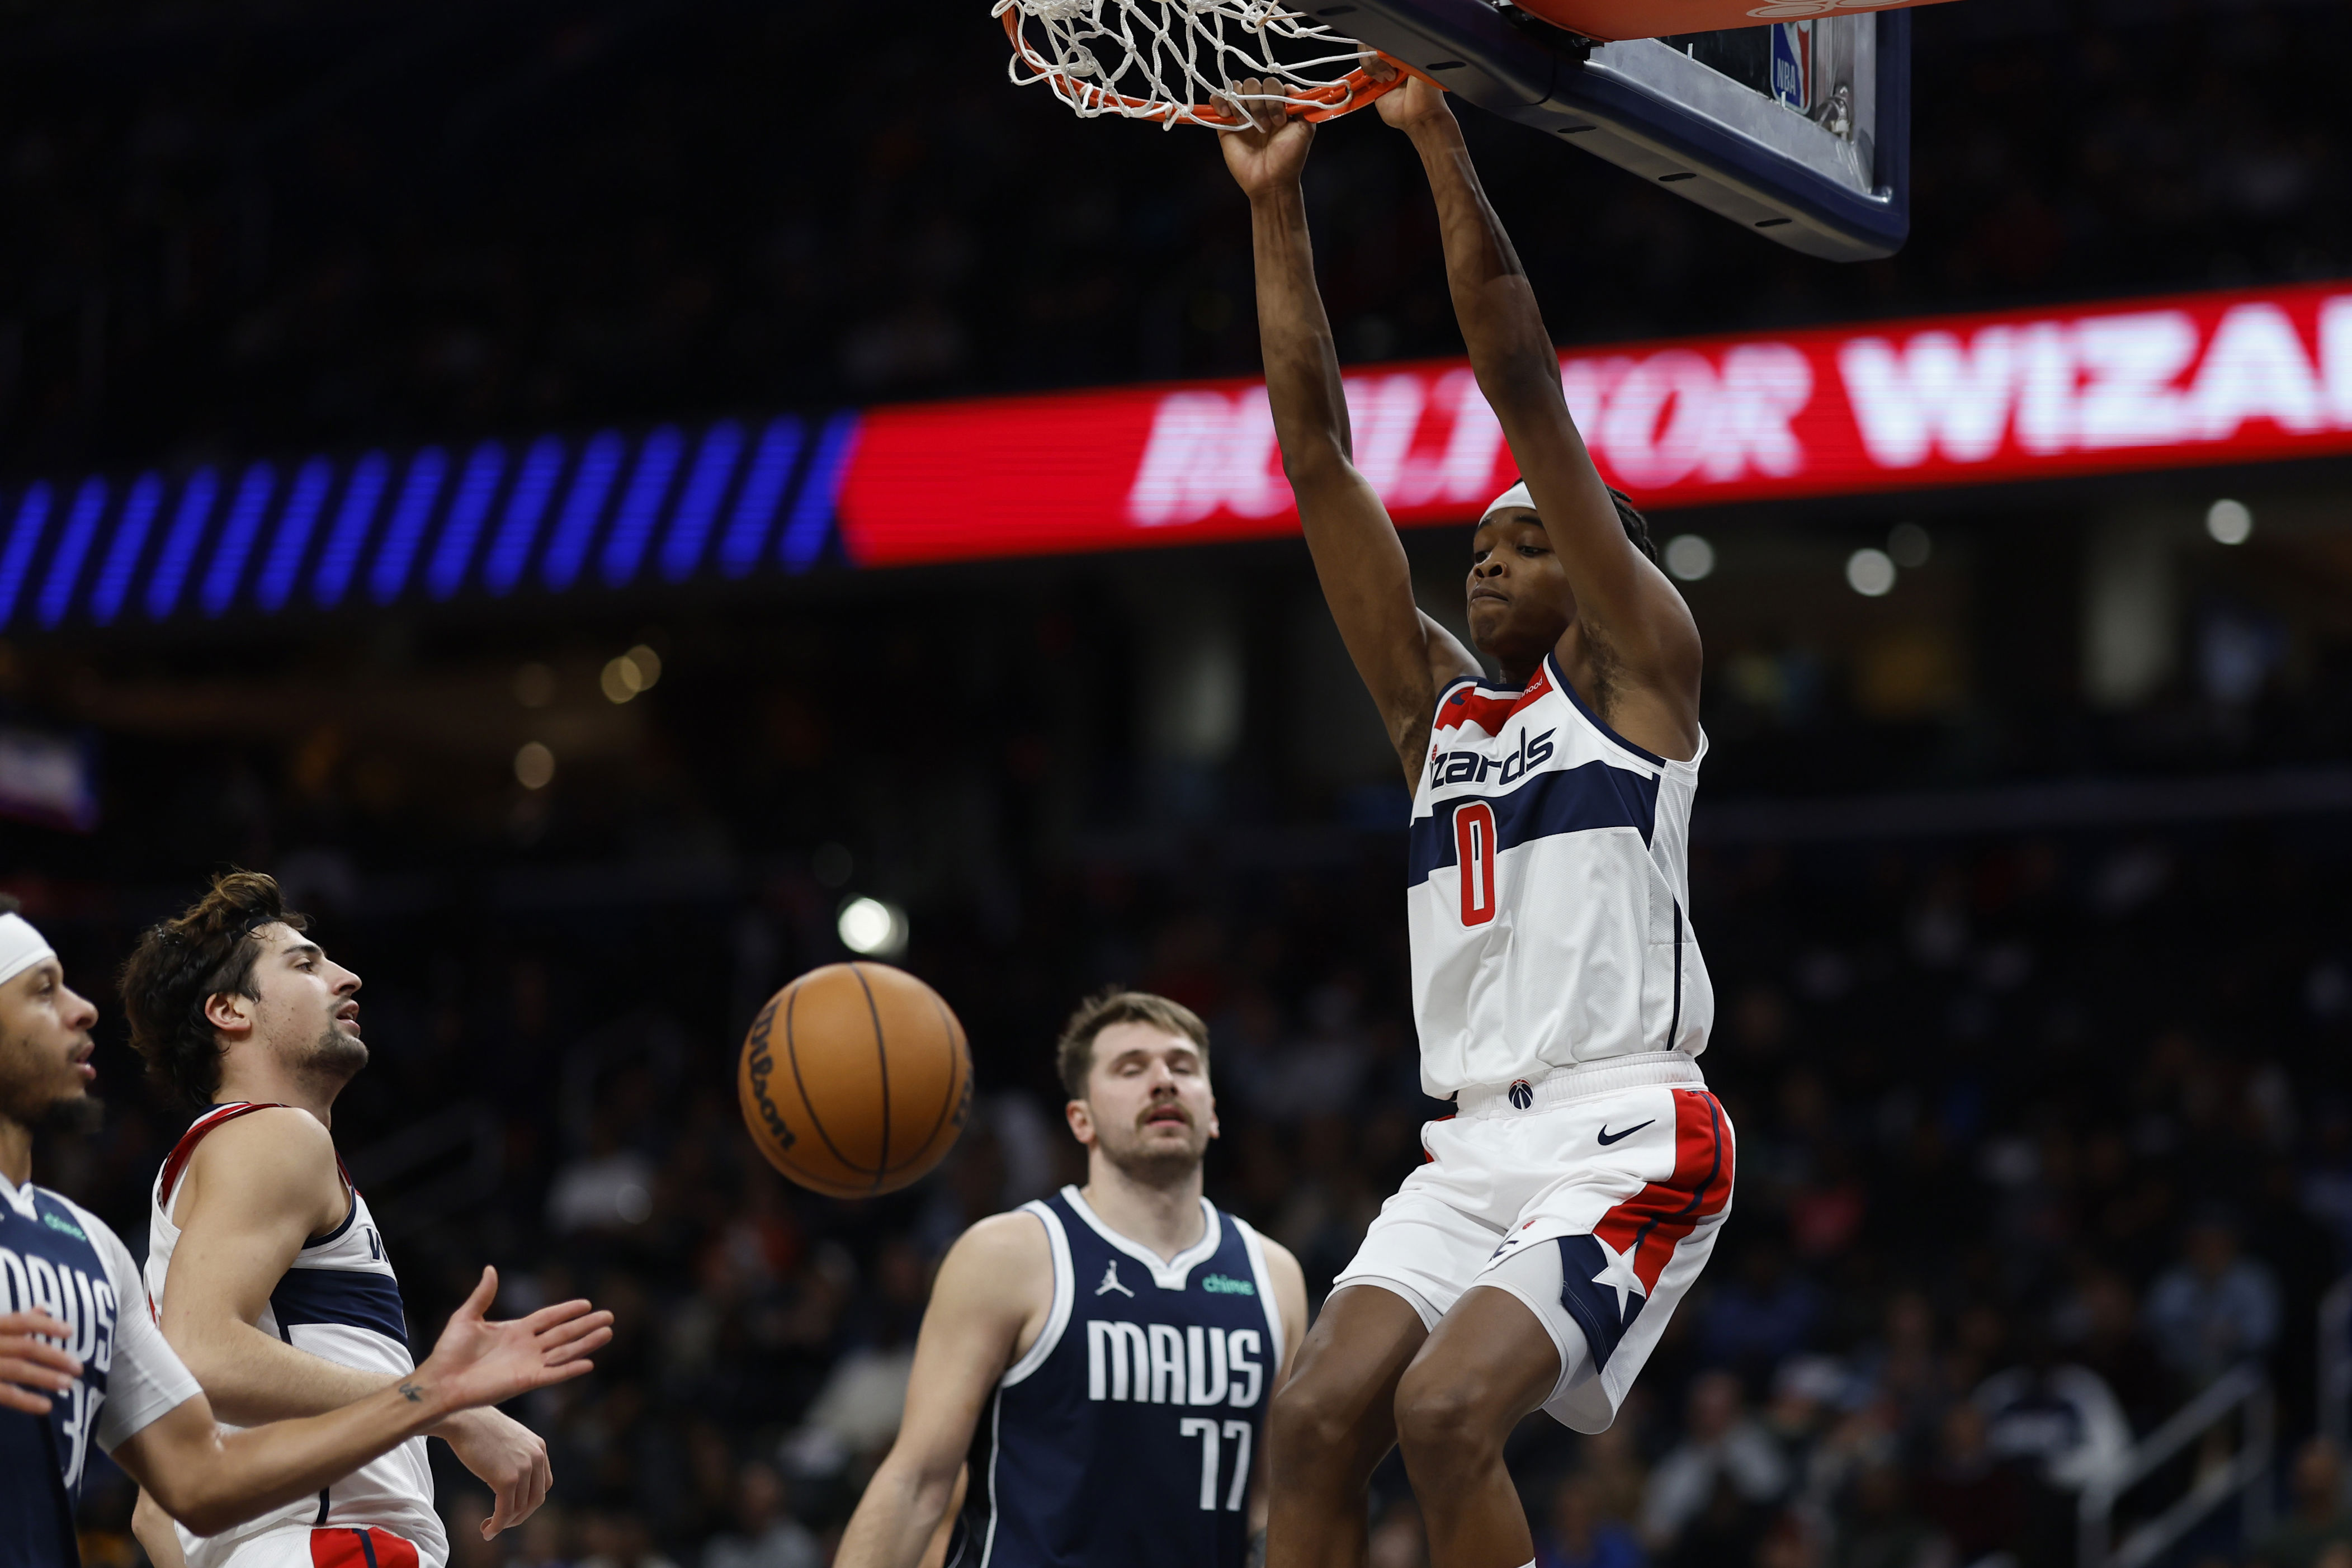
(413, 1392)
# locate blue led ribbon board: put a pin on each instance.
(325, 532)
(1799, 131)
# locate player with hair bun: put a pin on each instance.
(1571, 1201)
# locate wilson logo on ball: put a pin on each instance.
(855, 1080)
(759, 1062)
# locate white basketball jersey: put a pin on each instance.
(339, 1300)
(1549, 892)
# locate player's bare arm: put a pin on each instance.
(1290, 1282)
(1405, 657)
(1634, 647)
(210, 1478)
(255, 1192)
(152, 1528)
(994, 1291)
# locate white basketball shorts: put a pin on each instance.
(335, 1546)
(1621, 1171)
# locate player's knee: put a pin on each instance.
(1314, 1424)
(1446, 1418)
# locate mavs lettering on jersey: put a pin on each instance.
(49, 1263)
(1126, 1436)
(1549, 889)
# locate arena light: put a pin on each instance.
(2230, 521)
(1870, 572)
(629, 675)
(1690, 557)
(1909, 546)
(872, 929)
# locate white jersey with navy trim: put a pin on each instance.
(1549, 902)
(341, 1301)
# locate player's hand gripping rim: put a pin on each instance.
(1415, 104)
(32, 1367)
(1268, 153)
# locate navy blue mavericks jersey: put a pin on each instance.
(1126, 1436)
(49, 1262)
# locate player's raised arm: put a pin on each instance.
(1403, 655)
(994, 1289)
(1636, 624)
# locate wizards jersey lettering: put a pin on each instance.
(1549, 893)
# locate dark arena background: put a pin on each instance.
(2020, 863)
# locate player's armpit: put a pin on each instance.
(994, 1292)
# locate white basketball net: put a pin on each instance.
(1179, 61)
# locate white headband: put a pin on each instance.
(1518, 495)
(21, 947)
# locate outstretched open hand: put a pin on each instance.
(476, 1362)
(1270, 151)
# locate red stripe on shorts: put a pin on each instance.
(1654, 1221)
(361, 1549)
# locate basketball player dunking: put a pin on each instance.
(265, 1268)
(1102, 1359)
(1574, 1196)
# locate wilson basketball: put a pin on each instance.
(855, 1080)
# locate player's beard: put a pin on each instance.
(334, 1057)
(1159, 1167)
(24, 1101)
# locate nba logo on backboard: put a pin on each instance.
(1792, 65)
(1523, 1094)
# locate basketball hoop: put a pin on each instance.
(1181, 61)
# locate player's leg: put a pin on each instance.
(1491, 1363)
(1332, 1423)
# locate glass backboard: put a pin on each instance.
(1799, 129)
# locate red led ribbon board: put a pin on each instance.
(2245, 376)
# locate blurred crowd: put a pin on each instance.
(2038, 1139)
(274, 222)
(2039, 1136)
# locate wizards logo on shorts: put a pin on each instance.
(1523, 1094)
